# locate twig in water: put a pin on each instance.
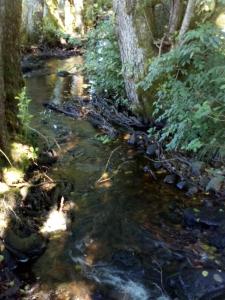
(57, 144)
(107, 165)
(3, 153)
(115, 172)
(169, 159)
(40, 134)
(159, 270)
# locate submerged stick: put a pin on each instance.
(3, 153)
(106, 166)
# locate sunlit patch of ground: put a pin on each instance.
(56, 221)
(21, 152)
(12, 175)
(220, 21)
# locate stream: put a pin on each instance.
(122, 237)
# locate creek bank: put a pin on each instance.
(186, 173)
(26, 209)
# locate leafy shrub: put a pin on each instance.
(188, 85)
(95, 10)
(23, 110)
(70, 40)
(74, 42)
(50, 33)
(102, 60)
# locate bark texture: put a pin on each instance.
(2, 88)
(32, 14)
(175, 15)
(189, 13)
(10, 75)
(136, 44)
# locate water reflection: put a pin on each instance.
(51, 87)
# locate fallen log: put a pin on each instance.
(73, 114)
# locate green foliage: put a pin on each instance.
(124, 102)
(103, 138)
(188, 84)
(23, 154)
(74, 42)
(102, 61)
(95, 9)
(23, 109)
(70, 40)
(50, 33)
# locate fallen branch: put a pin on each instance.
(39, 133)
(107, 164)
(3, 153)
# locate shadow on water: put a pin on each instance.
(118, 239)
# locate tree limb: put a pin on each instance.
(187, 19)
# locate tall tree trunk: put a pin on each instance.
(187, 18)
(10, 74)
(79, 6)
(175, 15)
(32, 17)
(136, 45)
(3, 137)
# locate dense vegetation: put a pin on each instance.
(184, 79)
(102, 60)
(188, 85)
(94, 11)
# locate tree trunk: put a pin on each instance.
(2, 88)
(175, 15)
(187, 18)
(79, 6)
(32, 16)
(10, 74)
(136, 46)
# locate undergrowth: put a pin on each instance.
(23, 110)
(102, 61)
(188, 87)
(52, 36)
(95, 10)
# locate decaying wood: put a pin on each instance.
(101, 113)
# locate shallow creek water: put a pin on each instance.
(121, 239)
